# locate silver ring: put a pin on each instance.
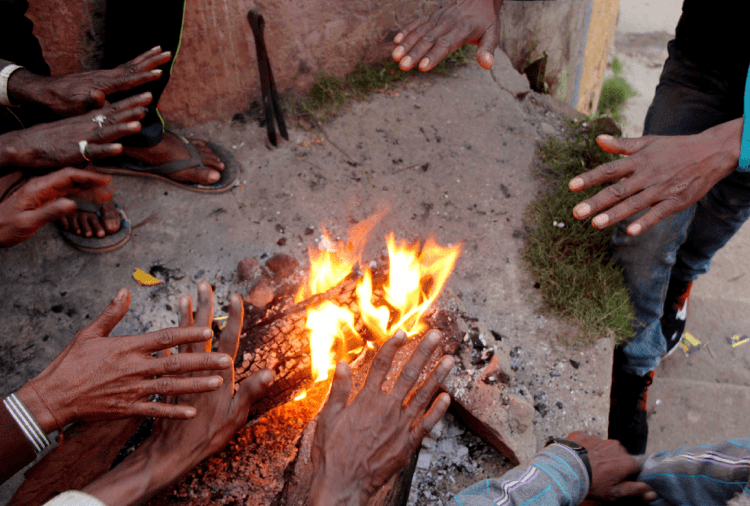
(99, 119)
(82, 145)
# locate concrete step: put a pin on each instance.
(711, 320)
(688, 412)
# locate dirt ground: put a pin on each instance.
(449, 157)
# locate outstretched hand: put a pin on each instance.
(74, 94)
(52, 145)
(385, 429)
(430, 39)
(664, 173)
(176, 446)
(42, 200)
(612, 470)
(97, 377)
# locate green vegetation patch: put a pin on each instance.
(616, 90)
(580, 283)
(329, 94)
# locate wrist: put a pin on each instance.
(728, 137)
(25, 86)
(38, 408)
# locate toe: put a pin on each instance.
(110, 217)
(96, 225)
(86, 225)
(209, 158)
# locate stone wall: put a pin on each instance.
(216, 73)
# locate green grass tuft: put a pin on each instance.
(616, 90)
(579, 281)
(329, 94)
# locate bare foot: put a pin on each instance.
(89, 224)
(171, 149)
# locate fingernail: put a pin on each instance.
(406, 62)
(605, 137)
(207, 333)
(225, 362)
(146, 95)
(121, 294)
(601, 220)
(582, 210)
(133, 125)
(156, 48)
(156, 72)
(398, 53)
(448, 363)
(398, 38)
(575, 183)
(424, 64)
(433, 338)
(634, 229)
(650, 496)
(215, 382)
(190, 412)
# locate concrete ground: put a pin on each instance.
(697, 399)
(450, 157)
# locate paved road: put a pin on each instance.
(695, 399)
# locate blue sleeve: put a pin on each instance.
(554, 477)
(699, 475)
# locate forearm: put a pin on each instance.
(554, 477)
(16, 449)
(727, 137)
(27, 87)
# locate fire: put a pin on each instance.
(416, 277)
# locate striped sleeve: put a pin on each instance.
(26, 422)
(707, 475)
(554, 477)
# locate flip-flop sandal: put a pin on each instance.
(128, 166)
(104, 244)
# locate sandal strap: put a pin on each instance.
(176, 165)
(86, 206)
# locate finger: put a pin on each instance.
(426, 392)
(129, 80)
(107, 134)
(433, 416)
(659, 212)
(48, 213)
(251, 390)
(205, 314)
(171, 337)
(411, 57)
(173, 385)
(65, 182)
(183, 363)
(413, 368)
(141, 100)
(487, 45)
(608, 197)
(152, 62)
(161, 410)
(623, 145)
(110, 317)
(186, 318)
(632, 489)
(134, 113)
(341, 387)
(97, 195)
(145, 55)
(230, 336)
(628, 207)
(402, 36)
(440, 42)
(382, 362)
(99, 151)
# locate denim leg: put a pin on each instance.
(688, 100)
(719, 215)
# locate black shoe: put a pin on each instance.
(675, 312)
(627, 410)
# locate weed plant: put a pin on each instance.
(579, 281)
(616, 90)
(329, 94)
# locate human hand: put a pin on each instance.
(384, 429)
(74, 94)
(611, 466)
(176, 446)
(667, 174)
(97, 377)
(52, 145)
(430, 39)
(42, 200)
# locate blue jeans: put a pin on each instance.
(689, 99)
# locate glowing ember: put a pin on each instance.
(415, 280)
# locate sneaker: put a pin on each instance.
(627, 410)
(675, 312)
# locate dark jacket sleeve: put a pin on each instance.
(16, 450)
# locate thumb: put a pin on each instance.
(51, 212)
(633, 489)
(487, 45)
(110, 317)
(252, 389)
(622, 145)
(340, 389)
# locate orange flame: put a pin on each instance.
(415, 279)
